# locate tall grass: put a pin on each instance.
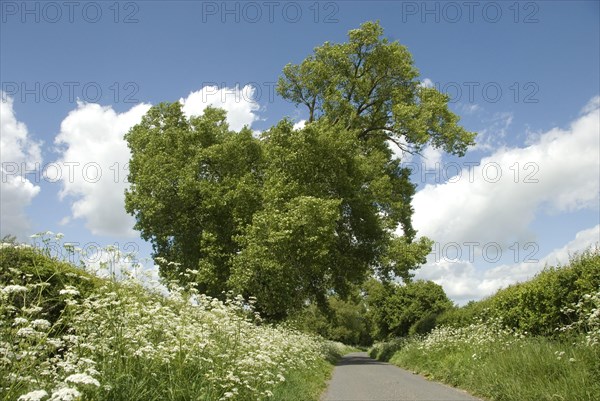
(69, 335)
(493, 357)
(503, 367)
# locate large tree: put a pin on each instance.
(194, 186)
(370, 85)
(297, 214)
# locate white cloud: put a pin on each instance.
(299, 125)
(462, 281)
(427, 83)
(559, 172)
(494, 134)
(239, 104)
(91, 140)
(583, 240)
(93, 161)
(469, 108)
(593, 105)
(431, 157)
(18, 152)
(459, 279)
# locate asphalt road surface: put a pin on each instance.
(360, 378)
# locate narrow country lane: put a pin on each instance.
(357, 377)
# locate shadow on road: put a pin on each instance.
(353, 359)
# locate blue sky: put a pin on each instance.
(524, 75)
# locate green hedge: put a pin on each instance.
(24, 265)
(539, 305)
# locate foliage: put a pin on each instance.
(500, 364)
(295, 215)
(68, 335)
(194, 186)
(24, 266)
(385, 350)
(344, 321)
(399, 310)
(483, 347)
(370, 85)
(424, 325)
(540, 305)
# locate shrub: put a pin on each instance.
(424, 325)
(384, 351)
(537, 306)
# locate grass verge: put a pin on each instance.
(67, 334)
(305, 385)
(530, 369)
(309, 385)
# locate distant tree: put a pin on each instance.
(345, 320)
(377, 295)
(296, 215)
(394, 309)
(415, 301)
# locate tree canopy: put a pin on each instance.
(295, 215)
(370, 85)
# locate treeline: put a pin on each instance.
(379, 311)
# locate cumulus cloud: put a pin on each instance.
(463, 281)
(18, 154)
(299, 125)
(427, 83)
(431, 157)
(238, 102)
(93, 165)
(94, 156)
(583, 240)
(498, 199)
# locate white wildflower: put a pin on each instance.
(14, 288)
(82, 378)
(26, 332)
(65, 394)
(36, 395)
(41, 324)
(55, 342)
(69, 290)
(32, 310)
